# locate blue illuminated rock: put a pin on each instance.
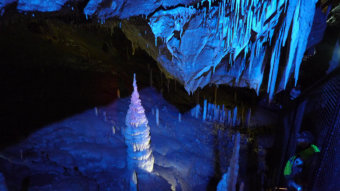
(212, 42)
(334, 62)
(128, 8)
(40, 5)
(232, 43)
(4, 3)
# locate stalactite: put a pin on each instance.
(274, 66)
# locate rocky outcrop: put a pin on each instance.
(212, 42)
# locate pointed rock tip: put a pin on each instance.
(134, 80)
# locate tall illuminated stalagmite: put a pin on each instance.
(137, 134)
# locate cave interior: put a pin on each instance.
(181, 95)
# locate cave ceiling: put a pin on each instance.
(259, 44)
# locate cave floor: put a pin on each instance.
(83, 153)
(87, 151)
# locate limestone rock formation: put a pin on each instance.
(137, 134)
